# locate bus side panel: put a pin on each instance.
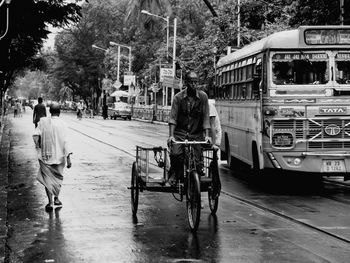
(240, 122)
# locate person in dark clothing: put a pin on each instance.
(39, 111)
(189, 119)
(105, 111)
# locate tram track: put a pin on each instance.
(284, 216)
(91, 120)
(132, 156)
(248, 202)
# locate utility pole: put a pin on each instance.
(239, 23)
(341, 2)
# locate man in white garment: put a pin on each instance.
(215, 126)
(215, 134)
(53, 154)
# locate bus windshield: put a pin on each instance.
(300, 68)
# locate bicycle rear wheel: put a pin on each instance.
(134, 189)
(193, 201)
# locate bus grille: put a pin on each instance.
(318, 133)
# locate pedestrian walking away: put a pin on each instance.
(39, 111)
(17, 111)
(53, 150)
(189, 119)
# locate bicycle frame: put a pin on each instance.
(189, 160)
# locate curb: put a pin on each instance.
(150, 121)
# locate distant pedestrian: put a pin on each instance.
(17, 111)
(80, 108)
(53, 154)
(39, 111)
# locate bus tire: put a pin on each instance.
(256, 163)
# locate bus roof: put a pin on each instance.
(289, 39)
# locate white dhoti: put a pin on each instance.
(50, 175)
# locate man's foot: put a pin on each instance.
(172, 179)
(49, 208)
(57, 202)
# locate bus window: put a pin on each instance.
(249, 90)
(282, 73)
(342, 69)
(243, 92)
(300, 69)
(235, 91)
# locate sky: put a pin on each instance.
(49, 43)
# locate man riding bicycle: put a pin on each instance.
(189, 119)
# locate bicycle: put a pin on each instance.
(148, 176)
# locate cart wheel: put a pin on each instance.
(134, 189)
(193, 201)
(214, 189)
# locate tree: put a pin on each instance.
(80, 67)
(321, 12)
(27, 30)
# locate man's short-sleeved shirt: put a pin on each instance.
(39, 112)
(190, 116)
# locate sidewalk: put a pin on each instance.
(4, 153)
(16, 158)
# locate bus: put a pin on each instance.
(284, 102)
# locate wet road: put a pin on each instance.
(96, 223)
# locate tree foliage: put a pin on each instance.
(27, 29)
(204, 30)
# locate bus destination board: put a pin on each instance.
(327, 36)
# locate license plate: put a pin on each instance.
(333, 166)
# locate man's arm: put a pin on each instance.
(34, 112)
(171, 130)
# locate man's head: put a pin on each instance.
(191, 80)
(55, 109)
(40, 99)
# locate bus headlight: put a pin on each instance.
(296, 161)
(282, 140)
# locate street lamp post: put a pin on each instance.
(120, 45)
(166, 19)
(104, 98)
(174, 51)
(7, 16)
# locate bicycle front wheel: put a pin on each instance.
(193, 201)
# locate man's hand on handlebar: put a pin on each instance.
(208, 139)
(171, 139)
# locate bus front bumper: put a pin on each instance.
(314, 162)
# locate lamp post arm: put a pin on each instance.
(7, 22)
(150, 14)
(100, 48)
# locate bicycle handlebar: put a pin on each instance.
(187, 142)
